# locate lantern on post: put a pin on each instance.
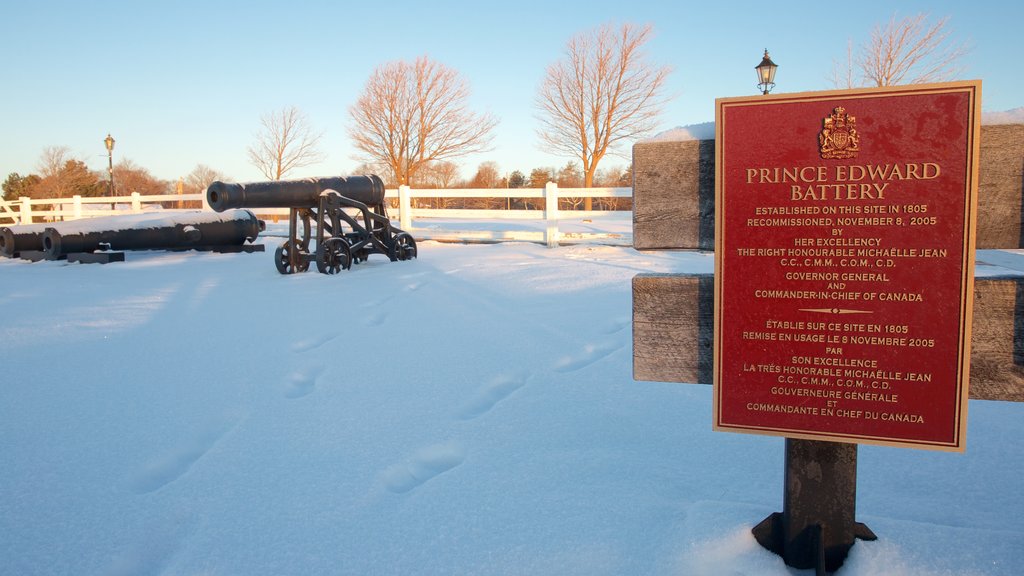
(766, 73)
(109, 143)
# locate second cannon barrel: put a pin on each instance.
(151, 231)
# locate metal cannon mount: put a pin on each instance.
(349, 213)
(369, 232)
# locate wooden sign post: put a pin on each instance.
(845, 227)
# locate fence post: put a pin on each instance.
(26, 209)
(136, 203)
(404, 208)
(551, 214)
(76, 207)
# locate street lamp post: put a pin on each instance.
(109, 142)
(766, 73)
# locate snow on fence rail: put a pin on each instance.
(28, 210)
(546, 224)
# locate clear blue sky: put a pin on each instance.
(184, 83)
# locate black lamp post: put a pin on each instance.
(766, 73)
(109, 142)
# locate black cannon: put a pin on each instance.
(152, 231)
(351, 221)
(16, 239)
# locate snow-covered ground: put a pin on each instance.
(469, 412)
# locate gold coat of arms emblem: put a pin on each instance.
(838, 139)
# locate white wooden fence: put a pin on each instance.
(542, 226)
(27, 210)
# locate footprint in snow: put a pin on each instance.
(375, 318)
(167, 467)
(617, 325)
(489, 395)
(313, 342)
(302, 382)
(426, 464)
(590, 354)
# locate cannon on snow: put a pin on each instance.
(351, 221)
(17, 239)
(152, 231)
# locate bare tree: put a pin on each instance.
(381, 170)
(487, 175)
(602, 93)
(910, 50)
(52, 160)
(842, 73)
(608, 178)
(285, 142)
(442, 174)
(626, 178)
(412, 114)
(64, 176)
(438, 176)
(200, 178)
(73, 179)
(133, 178)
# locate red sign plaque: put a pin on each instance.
(844, 271)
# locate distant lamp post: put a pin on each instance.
(766, 73)
(109, 142)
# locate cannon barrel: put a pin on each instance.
(293, 193)
(16, 239)
(151, 232)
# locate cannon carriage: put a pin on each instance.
(350, 219)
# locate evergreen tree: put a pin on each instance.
(539, 177)
(17, 186)
(570, 176)
(516, 180)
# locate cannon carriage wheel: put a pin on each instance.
(284, 262)
(293, 255)
(403, 247)
(333, 255)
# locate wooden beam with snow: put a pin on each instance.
(673, 332)
(674, 192)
